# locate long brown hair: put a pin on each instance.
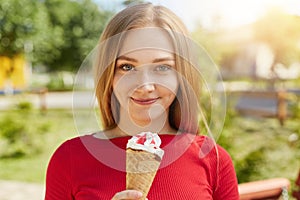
(183, 114)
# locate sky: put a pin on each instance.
(232, 12)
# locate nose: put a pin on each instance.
(146, 82)
(148, 87)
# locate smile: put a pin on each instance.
(148, 101)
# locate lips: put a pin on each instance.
(146, 101)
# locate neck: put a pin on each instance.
(121, 131)
(128, 126)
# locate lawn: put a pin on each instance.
(57, 126)
(260, 148)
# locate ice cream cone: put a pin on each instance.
(141, 168)
(143, 157)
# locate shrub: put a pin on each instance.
(17, 137)
(24, 105)
(248, 167)
(60, 81)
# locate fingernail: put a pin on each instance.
(139, 194)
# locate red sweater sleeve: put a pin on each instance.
(58, 178)
(227, 185)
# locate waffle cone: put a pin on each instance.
(141, 168)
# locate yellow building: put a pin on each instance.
(12, 73)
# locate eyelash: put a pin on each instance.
(161, 67)
(122, 67)
(166, 67)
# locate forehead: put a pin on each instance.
(146, 38)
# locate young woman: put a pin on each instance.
(146, 79)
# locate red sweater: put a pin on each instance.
(87, 168)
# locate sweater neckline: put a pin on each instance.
(122, 141)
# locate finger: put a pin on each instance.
(127, 194)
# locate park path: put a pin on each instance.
(51, 100)
(14, 190)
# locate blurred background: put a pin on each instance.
(255, 44)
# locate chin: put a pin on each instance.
(154, 120)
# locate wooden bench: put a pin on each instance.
(296, 192)
(270, 189)
(263, 104)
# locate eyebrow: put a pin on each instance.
(163, 59)
(156, 60)
(127, 58)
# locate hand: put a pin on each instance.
(127, 195)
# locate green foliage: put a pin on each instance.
(57, 34)
(10, 130)
(48, 40)
(17, 137)
(261, 148)
(130, 2)
(17, 25)
(273, 29)
(57, 83)
(221, 52)
(82, 23)
(248, 168)
(295, 106)
(24, 106)
(46, 132)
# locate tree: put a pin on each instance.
(129, 2)
(281, 31)
(55, 33)
(47, 41)
(221, 52)
(19, 25)
(82, 23)
(14, 30)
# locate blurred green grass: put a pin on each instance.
(32, 167)
(260, 148)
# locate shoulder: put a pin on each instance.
(64, 155)
(221, 166)
(59, 178)
(79, 140)
(70, 146)
(208, 145)
(209, 149)
(69, 143)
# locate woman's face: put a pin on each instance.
(145, 81)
